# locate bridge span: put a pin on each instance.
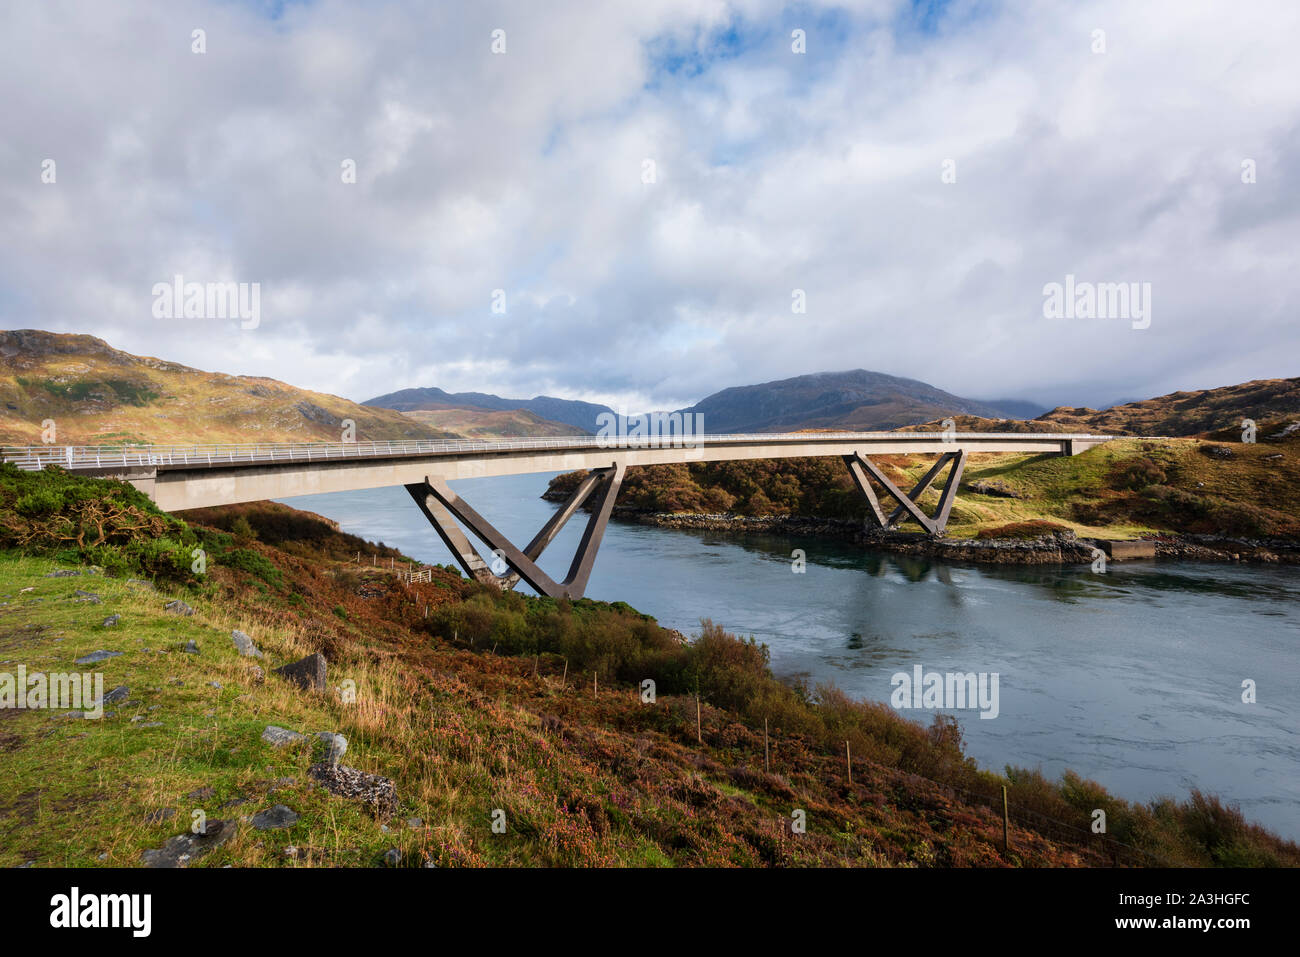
(179, 477)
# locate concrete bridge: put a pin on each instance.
(184, 477)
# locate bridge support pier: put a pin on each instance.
(860, 466)
(444, 508)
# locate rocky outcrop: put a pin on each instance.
(379, 794)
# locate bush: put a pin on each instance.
(1139, 474)
(1035, 528)
(92, 521)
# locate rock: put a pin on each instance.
(63, 573)
(379, 794)
(183, 849)
(281, 737)
(140, 582)
(335, 746)
(191, 648)
(111, 620)
(158, 816)
(392, 857)
(177, 607)
(244, 644)
(259, 675)
(274, 818)
(88, 597)
(120, 693)
(215, 684)
(152, 724)
(291, 852)
(201, 794)
(96, 656)
(307, 673)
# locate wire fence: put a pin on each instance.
(1117, 852)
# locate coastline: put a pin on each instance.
(1056, 549)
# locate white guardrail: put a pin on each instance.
(35, 457)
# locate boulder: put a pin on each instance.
(281, 737)
(97, 656)
(120, 693)
(244, 644)
(274, 818)
(183, 849)
(177, 607)
(335, 746)
(308, 673)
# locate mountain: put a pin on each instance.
(485, 424)
(855, 400)
(581, 415)
(1017, 408)
(98, 395)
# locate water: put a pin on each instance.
(1132, 678)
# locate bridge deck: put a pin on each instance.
(192, 476)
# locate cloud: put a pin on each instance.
(530, 172)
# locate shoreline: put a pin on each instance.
(1056, 549)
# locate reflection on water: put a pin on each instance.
(1132, 678)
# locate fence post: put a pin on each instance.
(767, 766)
(1005, 822)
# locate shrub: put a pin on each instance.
(1035, 528)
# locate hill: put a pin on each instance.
(98, 395)
(1186, 413)
(580, 415)
(852, 401)
(483, 424)
(460, 704)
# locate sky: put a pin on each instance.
(643, 203)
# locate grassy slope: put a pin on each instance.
(99, 395)
(458, 711)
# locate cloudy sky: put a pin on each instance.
(643, 186)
